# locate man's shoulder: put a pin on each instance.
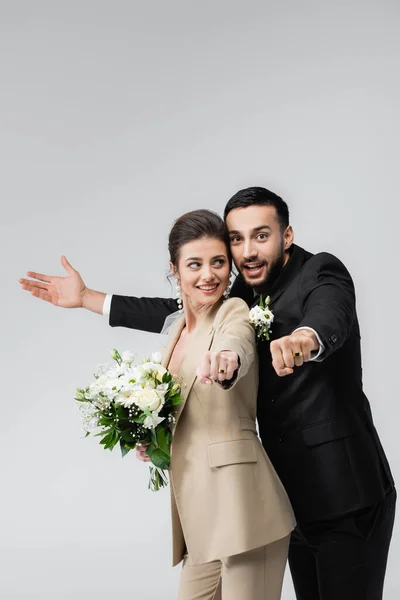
(323, 262)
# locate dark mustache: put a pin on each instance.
(252, 262)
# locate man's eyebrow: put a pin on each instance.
(255, 230)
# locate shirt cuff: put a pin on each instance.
(107, 305)
(317, 354)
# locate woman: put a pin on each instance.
(230, 513)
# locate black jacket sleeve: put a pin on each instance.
(326, 293)
(146, 314)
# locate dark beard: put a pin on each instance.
(273, 272)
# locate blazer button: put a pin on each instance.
(281, 438)
(273, 399)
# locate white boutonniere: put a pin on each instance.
(261, 317)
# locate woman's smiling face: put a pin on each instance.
(203, 271)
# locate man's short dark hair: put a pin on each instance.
(259, 196)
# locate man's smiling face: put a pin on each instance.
(259, 247)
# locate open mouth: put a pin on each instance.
(254, 269)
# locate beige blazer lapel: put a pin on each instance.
(173, 338)
(199, 342)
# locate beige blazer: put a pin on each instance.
(226, 496)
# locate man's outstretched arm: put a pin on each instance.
(70, 291)
(146, 314)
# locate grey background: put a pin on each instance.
(116, 117)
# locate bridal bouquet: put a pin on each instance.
(133, 404)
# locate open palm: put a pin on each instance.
(66, 292)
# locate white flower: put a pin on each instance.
(161, 372)
(89, 417)
(256, 315)
(148, 399)
(269, 315)
(156, 357)
(261, 318)
(128, 357)
(119, 370)
(126, 397)
(130, 374)
(163, 388)
(152, 421)
(151, 369)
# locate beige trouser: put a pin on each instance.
(254, 575)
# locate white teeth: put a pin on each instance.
(207, 287)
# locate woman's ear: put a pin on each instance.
(173, 269)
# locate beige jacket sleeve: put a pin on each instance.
(234, 332)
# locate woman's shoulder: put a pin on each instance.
(233, 308)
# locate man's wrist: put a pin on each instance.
(93, 301)
(85, 298)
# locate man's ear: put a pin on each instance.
(288, 237)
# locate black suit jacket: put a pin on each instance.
(316, 425)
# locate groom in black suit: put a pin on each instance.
(314, 419)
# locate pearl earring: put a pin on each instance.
(178, 294)
(228, 289)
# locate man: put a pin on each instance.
(315, 421)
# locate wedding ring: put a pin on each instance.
(297, 354)
(222, 371)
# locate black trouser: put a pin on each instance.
(343, 558)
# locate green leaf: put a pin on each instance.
(116, 437)
(124, 449)
(101, 433)
(160, 459)
(162, 440)
(122, 412)
(127, 436)
(154, 437)
(105, 419)
(140, 419)
(177, 400)
(168, 437)
(166, 378)
(106, 439)
(110, 440)
(150, 449)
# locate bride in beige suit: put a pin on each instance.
(231, 516)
